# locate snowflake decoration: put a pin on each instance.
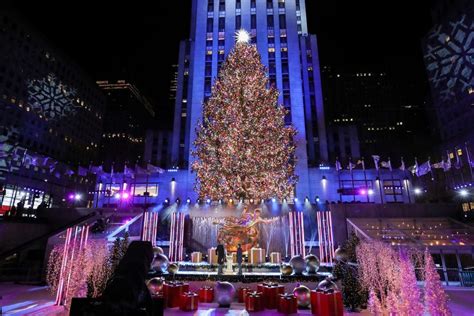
(449, 58)
(50, 98)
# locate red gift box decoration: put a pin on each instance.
(242, 292)
(206, 294)
(288, 304)
(271, 294)
(254, 302)
(189, 301)
(326, 303)
(172, 292)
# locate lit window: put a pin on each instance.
(459, 151)
(209, 52)
(271, 49)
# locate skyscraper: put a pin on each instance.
(278, 28)
(128, 116)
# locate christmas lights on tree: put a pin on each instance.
(436, 300)
(243, 148)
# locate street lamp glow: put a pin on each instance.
(417, 191)
(370, 192)
(463, 192)
(77, 197)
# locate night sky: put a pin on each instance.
(139, 42)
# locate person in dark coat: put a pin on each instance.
(239, 259)
(220, 252)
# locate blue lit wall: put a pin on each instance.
(213, 29)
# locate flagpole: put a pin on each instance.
(453, 180)
(469, 161)
(338, 167)
(393, 180)
(460, 166)
(352, 178)
(365, 180)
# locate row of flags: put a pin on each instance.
(21, 158)
(416, 169)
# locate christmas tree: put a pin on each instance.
(409, 297)
(436, 301)
(243, 148)
(353, 294)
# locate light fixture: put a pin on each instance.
(178, 201)
(296, 199)
(370, 192)
(417, 191)
(317, 199)
(463, 193)
(173, 180)
(77, 197)
(188, 200)
(273, 200)
(306, 199)
(230, 201)
(323, 178)
(208, 201)
(117, 195)
(167, 200)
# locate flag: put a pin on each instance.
(81, 171)
(402, 166)
(376, 161)
(351, 166)
(154, 169)
(128, 171)
(362, 162)
(458, 163)
(140, 170)
(389, 164)
(68, 172)
(385, 164)
(438, 165)
(338, 165)
(446, 165)
(98, 170)
(423, 169)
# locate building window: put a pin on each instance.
(210, 6)
(237, 4)
(238, 22)
(269, 4)
(210, 25)
(270, 21)
(282, 19)
(253, 21)
(221, 5)
(221, 24)
(253, 4)
(281, 3)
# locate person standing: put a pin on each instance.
(239, 259)
(220, 252)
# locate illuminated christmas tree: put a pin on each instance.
(243, 148)
(436, 300)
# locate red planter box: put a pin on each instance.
(242, 292)
(326, 303)
(189, 301)
(288, 304)
(271, 295)
(172, 292)
(254, 302)
(206, 294)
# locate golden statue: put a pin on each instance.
(243, 230)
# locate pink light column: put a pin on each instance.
(296, 233)
(75, 240)
(150, 227)
(325, 236)
(176, 237)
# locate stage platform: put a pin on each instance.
(246, 277)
